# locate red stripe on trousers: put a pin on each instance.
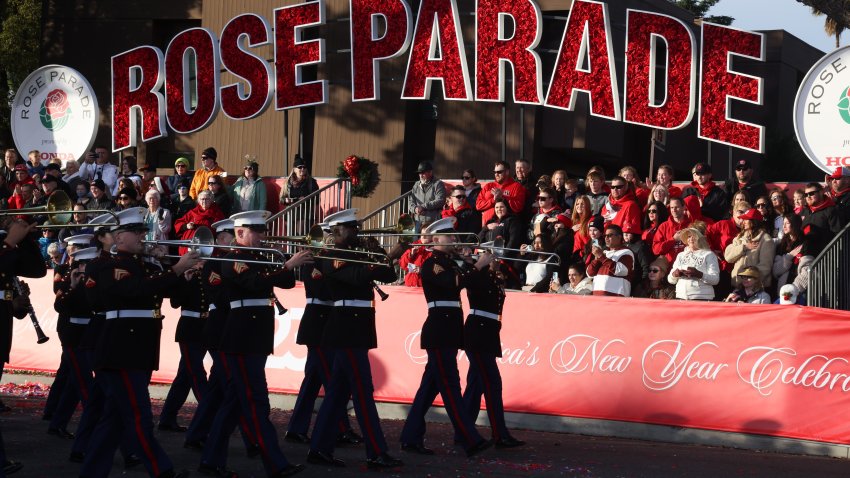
(370, 432)
(146, 447)
(326, 369)
(488, 392)
(250, 396)
(196, 389)
(243, 424)
(83, 387)
(449, 400)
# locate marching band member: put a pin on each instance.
(485, 290)
(317, 371)
(130, 290)
(64, 393)
(442, 336)
(247, 341)
(219, 307)
(350, 331)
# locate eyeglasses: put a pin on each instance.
(745, 277)
(206, 157)
(466, 177)
(179, 165)
(542, 198)
(654, 271)
(810, 194)
(214, 184)
(248, 167)
(611, 235)
(740, 212)
(761, 206)
(302, 167)
(459, 197)
(123, 198)
(618, 186)
(499, 171)
(775, 198)
(653, 211)
(742, 168)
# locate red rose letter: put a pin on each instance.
(493, 50)
(136, 80)
(676, 107)
(236, 102)
(291, 54)
(587, 40)
(380, 30)
(201, 43)
(717, 83)
(437, 53)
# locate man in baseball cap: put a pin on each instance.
(744, 181)
(839, 190)
(705, 195)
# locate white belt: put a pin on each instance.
(133, 314)
(235, 304)
(484, 313)
(192, 313)
(320, 302)
(353, 303)
(7, 294)
(444, 303)
(212, 307)
(80, 320)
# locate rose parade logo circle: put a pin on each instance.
(822, 111)
(55, 112)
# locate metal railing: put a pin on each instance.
(829, 276)
(388, 214)
(297, 218)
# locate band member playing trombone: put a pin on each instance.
(442, 336)
(351, 332)
(131, 293)
(247, 341)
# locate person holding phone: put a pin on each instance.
(696, 269)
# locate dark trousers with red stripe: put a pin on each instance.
(247, 393)
(56, 389)
(190, 376)
(484, 378)
(351, 374)
(69, 394)
(317, 374)
(441, 376)
(211, 403)
(127, 414)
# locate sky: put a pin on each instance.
(788, 15)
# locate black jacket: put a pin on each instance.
(442, 280)
(715, 205)
(820, 227)
(485, 291)
(753, 189)
(315, 316)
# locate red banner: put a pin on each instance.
(773, 370)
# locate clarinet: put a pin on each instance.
(383, 295)
(42, 338)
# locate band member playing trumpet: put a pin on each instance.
(131, 293)
(442, 336)
(247, 341)
(351, 332)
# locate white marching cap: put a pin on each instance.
(79, 240)
(250, 218)
(223, 225)
(86, 254)
(104, 219)
(446, 224)
(346, 217)
(131, 219)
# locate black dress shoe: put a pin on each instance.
(77, 457)
(5, 408)
(478, 448)
(289, 471)
(61, 433)
(164, 427)
(384, 461)
(509, 442)
(173, 474)
(416, 448)
(132, 460)
(46, 417)
(295, 437)
(219, 471)
(321, 458)
(349, 437)
(194, 444)
(10, 467)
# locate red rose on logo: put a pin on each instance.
(56, 103)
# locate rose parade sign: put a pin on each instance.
(55, 112)
(660, 50)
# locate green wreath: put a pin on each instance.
(363, 174)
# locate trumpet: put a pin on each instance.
(60, 210)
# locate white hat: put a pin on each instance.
(788, 294)
(86, 254)
(446, 224)
(104, 219)
(252, 219)
(346, 217)
(223, 225)
(132, 219)
(79, 240)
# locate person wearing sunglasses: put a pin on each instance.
(468, 219)
(821, 220)
(545, 213)
(655, 284)
(427, 197)
(221, 195)
(656, 215)
(751, 290)
(127, 198)
(613, 267)
(181, 175)
(210, 167)
(622, 208)
(471, 186)
(249, 190)
(504, 188)
(839, 191)
(705, 195)
(745, 182)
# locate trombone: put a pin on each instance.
(404, 231)
(498, 249)
(317, 241)
(60, 210)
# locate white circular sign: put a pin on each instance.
(822, 111)
(55, 112)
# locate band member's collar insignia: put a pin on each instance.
(215, 279)
(120, 274)
(438, 269)
(240, 267)
(337, 264)
(316, 274)
(90, 283)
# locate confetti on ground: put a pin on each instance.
(519, 466)
(26, 389)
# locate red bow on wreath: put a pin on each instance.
(351, 166)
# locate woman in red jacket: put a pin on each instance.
(203, 215)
